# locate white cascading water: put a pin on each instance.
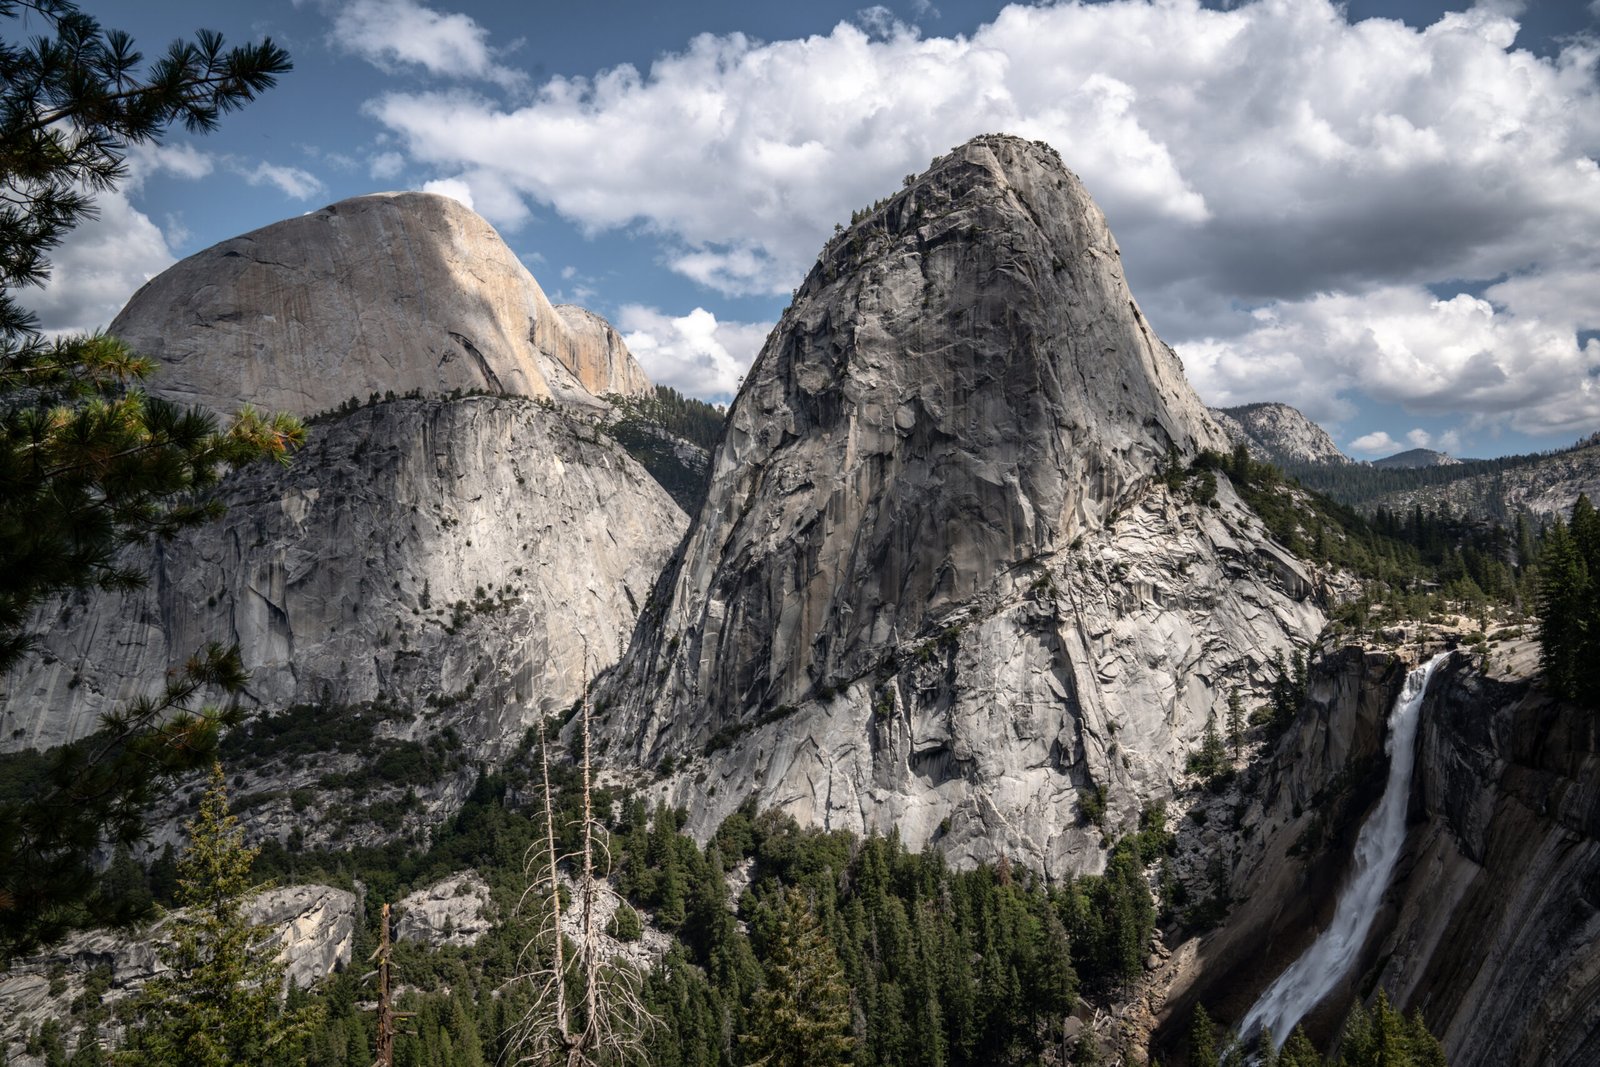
(1320, 967)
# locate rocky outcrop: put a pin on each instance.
(394, 292)
(1278, 433)
(939, 582)
(643, 952)
(470, 562)
(453, 911)
(313, 927)
(1491, 924)
(596, 354)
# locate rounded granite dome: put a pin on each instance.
(393, 291)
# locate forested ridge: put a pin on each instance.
(1365, 486)
(922, 964)
(652, 429)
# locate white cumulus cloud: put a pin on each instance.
(454, 188)
(97, 267)
(1375, 444)
(693, 353)
(1400, 343)
(178, 160)
(395, 33)
(293, 182)
(386, 165)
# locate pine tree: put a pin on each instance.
(801, 1018)
(1298, 1051)
(99, 789)
(1565, 595)
(1266, 1049)
(1236, 722)
(1202, 1039)
(585, 1010)
(221, 1004)
(1211, 760)
(88, 461)
(1382, 1037)
(123, 895)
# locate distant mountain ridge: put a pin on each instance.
(1416, 457)
(1541, 484)
(1278, 433)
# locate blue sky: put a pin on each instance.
(1387, 214)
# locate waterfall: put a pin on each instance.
(1310, 977)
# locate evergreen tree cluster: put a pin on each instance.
(931, 966)
(858, 949)
(639, 428)
(1569, 606)
(1378, 1036)
(1414, 563)
(682, 416)
(1360, 484)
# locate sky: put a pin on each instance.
(1385, 214)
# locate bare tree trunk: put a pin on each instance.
(613, 1019)
(388, 1018)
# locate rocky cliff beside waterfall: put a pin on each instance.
(1490, 925)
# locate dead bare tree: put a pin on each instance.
(388, 1018)
(605, 1023)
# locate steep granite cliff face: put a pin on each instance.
(394, 291)
(597, 355)
(939, 581)
(1496, 936)
(1491, 923)
(457, 558)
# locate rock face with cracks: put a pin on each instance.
(598, 356)
(393, 291)
(471, 559)
(457, 557)
(940, 581)
(453, 911)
